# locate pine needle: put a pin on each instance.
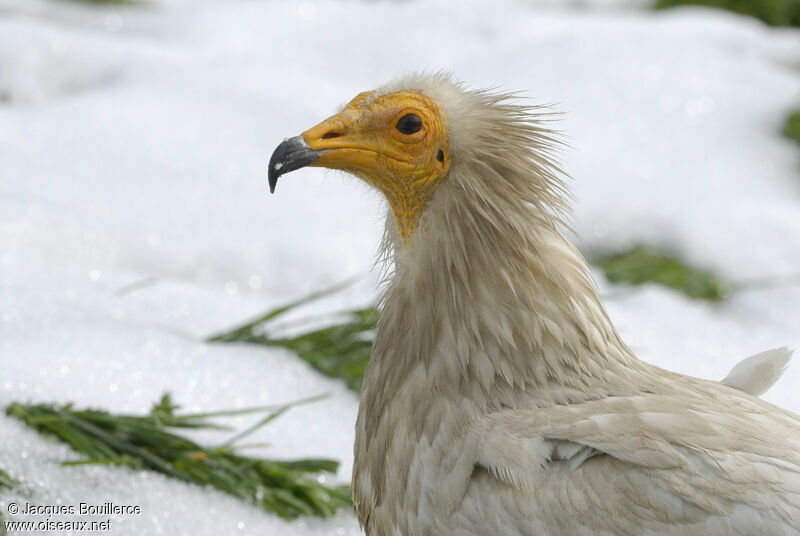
(248, 327)
(5, 482)
(143, 442)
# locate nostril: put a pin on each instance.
(331, 134)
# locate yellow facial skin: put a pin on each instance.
(363, 139)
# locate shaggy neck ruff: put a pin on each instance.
(488, 295)
(494, 303)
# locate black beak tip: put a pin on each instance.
(291, 154)
(273, 180)
(276, 164)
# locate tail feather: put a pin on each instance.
(757, 373)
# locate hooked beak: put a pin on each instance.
(293, 153)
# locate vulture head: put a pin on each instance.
(475, 233)
(424, 133)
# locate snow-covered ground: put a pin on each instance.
(135, 220)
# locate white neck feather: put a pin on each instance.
(497, 309)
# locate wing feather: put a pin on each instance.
(678, 460)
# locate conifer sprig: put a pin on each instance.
(287, 488)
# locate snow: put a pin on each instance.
(135, 219)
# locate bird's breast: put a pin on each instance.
(408, 463)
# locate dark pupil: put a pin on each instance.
(409, 124)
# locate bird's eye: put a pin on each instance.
(409, 124)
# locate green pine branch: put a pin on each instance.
(282, 487)
(340, 350)
(644, 264)
(791, 128)
(772, 12)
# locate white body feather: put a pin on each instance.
(500, 400)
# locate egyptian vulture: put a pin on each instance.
(499, 398)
